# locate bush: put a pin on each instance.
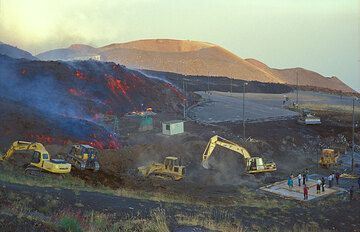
(70, 224)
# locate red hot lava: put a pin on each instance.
(176, 91)
(110, 143)
(117, 85)
(23, 71)
(75, 92)
(78, 74)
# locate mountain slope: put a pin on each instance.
(194, 58)
(14, 52)
(304, 77)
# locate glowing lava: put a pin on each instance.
(116, 85)
(78, 74)
(75, 92)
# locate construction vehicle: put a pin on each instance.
(169, 169)
(83, 157)
(308, 119)
(328, 158)
(40, 160)
(252, 164)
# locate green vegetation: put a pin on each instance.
(70, 224)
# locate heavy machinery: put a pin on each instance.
(40, 160)
(328, 158)
(252, 164)
(83, 157)
(169, 169)
(308, 119)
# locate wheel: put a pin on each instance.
(96, 166)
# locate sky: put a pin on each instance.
(320, 35)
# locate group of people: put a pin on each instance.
(302, 178)
(320, 184)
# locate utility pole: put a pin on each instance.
(183, 82)
(353, 137)
(245, 83)
(297, 88)
(208, 84)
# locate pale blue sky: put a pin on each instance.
(320, 35)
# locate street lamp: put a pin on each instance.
(245, 84)
(353, 135)
(297, 88)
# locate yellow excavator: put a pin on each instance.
(169, 169)
(253, 164)
(40, 160)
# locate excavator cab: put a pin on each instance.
(38, 157)
(256, 165)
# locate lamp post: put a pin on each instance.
(184, 90)
(353, 136)
(244, 109)
(297, 88)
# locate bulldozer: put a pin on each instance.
(253, 164)
(169, 169)
(307, 118)
(328, 158)
(40, 160)
(83, 157)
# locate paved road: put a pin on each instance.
(224, 106)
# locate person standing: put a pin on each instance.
(337, 177)
(330, 180)
(307, 174)
(318, 183)
(351, 192)
(323, 184)
(304, 178)
(290, 182)
(299, 179)
(306, 192)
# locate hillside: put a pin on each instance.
(58, 102)
(15, 52)
(194, 58)
(305, 77)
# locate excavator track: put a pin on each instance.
(34, 171)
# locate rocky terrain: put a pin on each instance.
(62, 101)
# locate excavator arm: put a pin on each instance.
(22, 146)
(217, 140)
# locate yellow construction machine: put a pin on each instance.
(40, 160)
(83, 157)
(328, 158)
(253, 164)
(169, 169)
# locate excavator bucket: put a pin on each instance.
(205, 164)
